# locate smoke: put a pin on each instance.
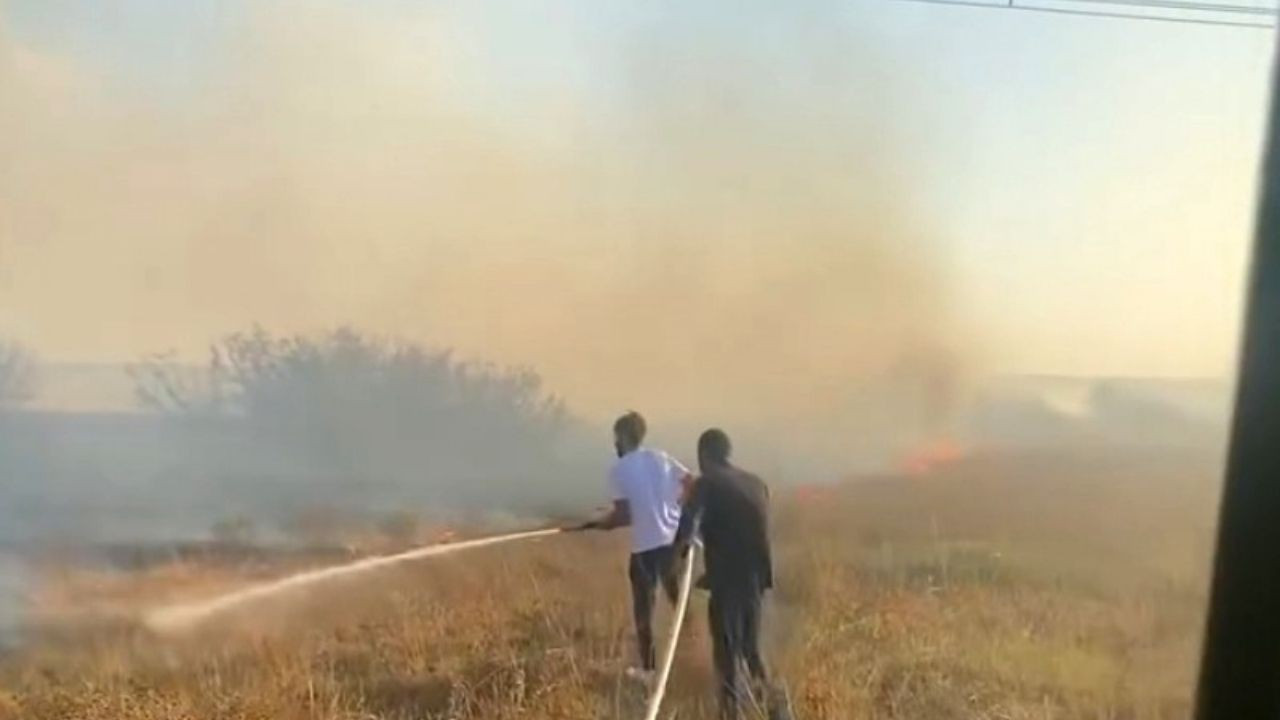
(709, 230)
(13, 598)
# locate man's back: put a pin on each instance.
(733, 508)
(650, 481)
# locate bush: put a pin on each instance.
(376, 420)
(238, 530)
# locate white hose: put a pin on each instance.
(184, 616)
(669, 653)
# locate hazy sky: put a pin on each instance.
(712, 199)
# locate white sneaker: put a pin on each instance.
(639, 675)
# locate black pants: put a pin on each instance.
(734, 611)
(647, 570)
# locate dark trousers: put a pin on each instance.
(647, 570)
(734, 611)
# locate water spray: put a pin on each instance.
(184, 616)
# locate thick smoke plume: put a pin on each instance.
(710, 231)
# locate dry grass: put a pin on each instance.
(981, 593)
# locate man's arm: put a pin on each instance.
(681, 476)
(618, 516)
(690, 515)
(687, 482)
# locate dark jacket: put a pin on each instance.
(729, 508)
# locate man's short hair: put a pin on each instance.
(714, 445)
(631, 427)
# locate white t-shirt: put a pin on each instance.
(649, 480)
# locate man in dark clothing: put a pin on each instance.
(729, 509)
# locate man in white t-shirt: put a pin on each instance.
(648, 487)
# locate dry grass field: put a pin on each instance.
(994, 589)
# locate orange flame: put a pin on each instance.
(810, 493)
(931, 456)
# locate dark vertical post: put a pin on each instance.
(1240, 671)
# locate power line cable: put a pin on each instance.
(1179, 5)
(1089, 13)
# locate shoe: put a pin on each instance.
(640, 676)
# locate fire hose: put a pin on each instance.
(669, 653)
